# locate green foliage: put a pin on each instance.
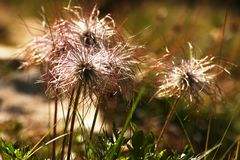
(12, 151)
(139, 146)
(143, 146)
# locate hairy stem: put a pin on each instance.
(66, 125)
(72, 123)
(54, 128)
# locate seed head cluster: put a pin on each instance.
(88, 52)
(83, 51)
(188, 77)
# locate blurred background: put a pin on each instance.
(213, 27)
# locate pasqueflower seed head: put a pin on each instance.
(83, 51)
(121, 65)
(69, 34)
(190, 77)
(96, 73)
(77, 68)
(94, 31)
(58, 41)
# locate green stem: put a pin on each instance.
(237, 151)
(185, 132)
(173, 108)
(208, 132)
(224, 134)
(114, 150)
(72, 123)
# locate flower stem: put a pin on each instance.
(170, 114)
(208, 132)
(54, 128)
(66, 125)
(72, 123)
(94, 122)
(185, 132)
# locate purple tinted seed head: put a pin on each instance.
(69, 34)
(83, 51)
(95, 72)
(43, 49)
(93, 30)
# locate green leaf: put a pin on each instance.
(162, 154)
(133, 126)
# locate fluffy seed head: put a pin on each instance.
(190, 77)
(78, 68)
(66, 35)
(84, 51)
(96, 73)
(121, 64)
(94, 31)
(54, 43)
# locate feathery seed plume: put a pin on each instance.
(96, 72)
(68, 34)
(190, 77)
